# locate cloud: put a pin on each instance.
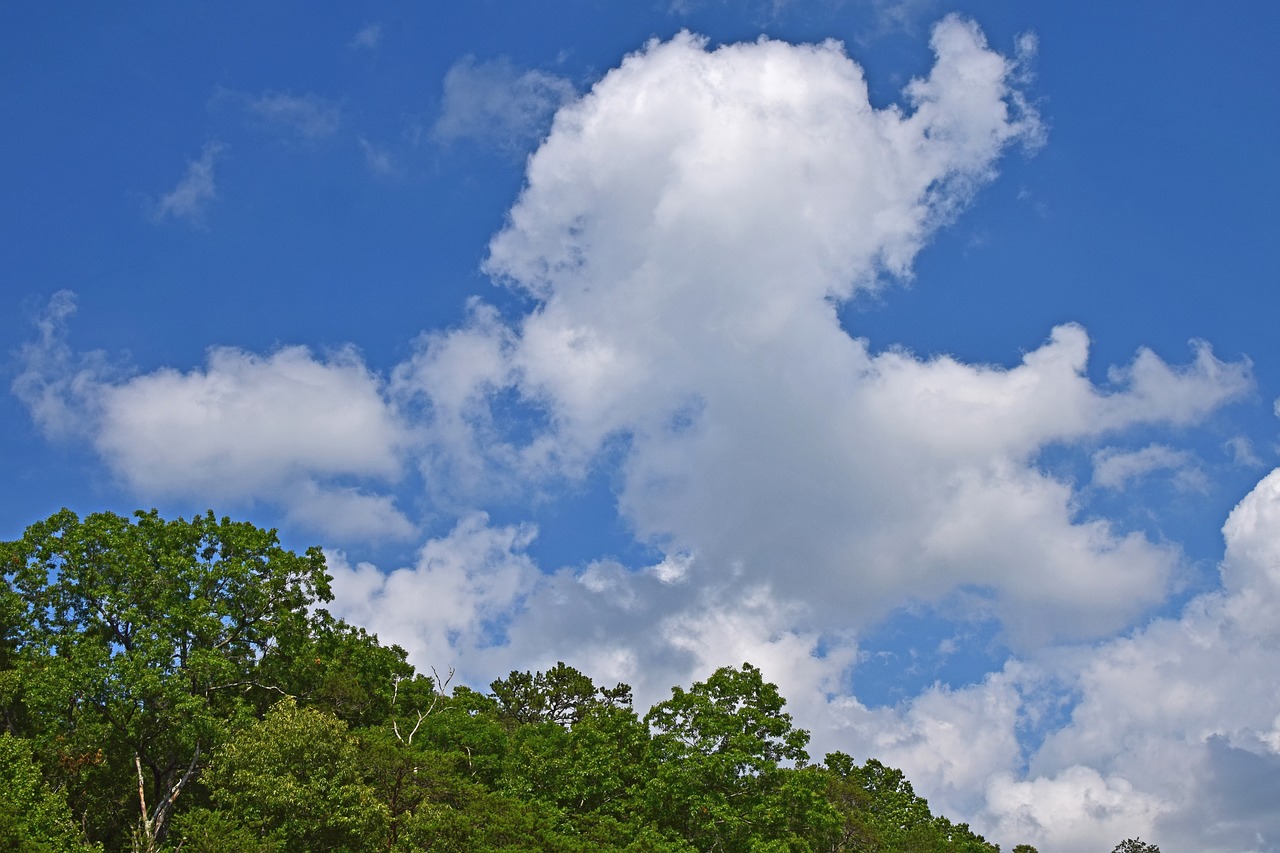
(1117, 469)
(194, 192)
(495, 104)
(1163, 725)
(55, 384)
(685, 230)
(367, 38)
(379, 160)
(452, 601)
(1241, 451)
(287, 428)
(309, 116)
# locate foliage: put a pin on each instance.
(171, 685)
(296, 776)
(134, 647)
(716, 774)
(1135, 845)
(33, 818)
(881, 811)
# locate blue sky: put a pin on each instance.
(917, 353)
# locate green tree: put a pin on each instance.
(137, 646)
(880, 810)
(716, 774)
(296, 777)
(561, 695)
(1135, 845)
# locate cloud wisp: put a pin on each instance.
(193, 194)
(495, 104)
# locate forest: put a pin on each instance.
(178, 685)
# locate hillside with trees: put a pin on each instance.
(178, 685)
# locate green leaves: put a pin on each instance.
(33, 818)
(185, 665)
(716, 760)
(881, 811)
(561, 695)
(140, 641)
(296, 776)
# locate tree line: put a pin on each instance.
(175, 685)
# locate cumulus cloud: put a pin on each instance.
(1162, 725)
(194, 192)
(494, 103)
(685, 229)
(287, 427)
(452, 602)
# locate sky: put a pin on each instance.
(921, 354)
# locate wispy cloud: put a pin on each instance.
(189, 199)
(57, 385)
(495, 103)
(1242, 453)
(1117, 469)
(308, 115)
(367, 38)
(378, 159)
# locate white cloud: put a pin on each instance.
(494, 103)
(1161, 722)
(685, 228)
(451, 603)
(193, 193)
(247, 420)
(1116, 469)
(378, 159)
(57, 386)
(309, 116)
(286, 428)
(1242, 453)
(368, 37)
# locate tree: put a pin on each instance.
(561, 695)
(881, 811)
(716, 774)
(295, 777)
(1135, 845)
(137, 645)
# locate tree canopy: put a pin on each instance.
(178, 685)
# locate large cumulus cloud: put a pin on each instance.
(687, 230)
